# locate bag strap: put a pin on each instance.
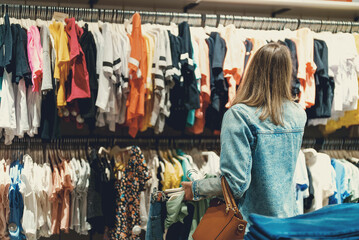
(228, 198)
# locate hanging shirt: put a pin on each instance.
(191, 93)
(44, 186)
(62, 66)
(324, 91)
(295, 83)
(323, 175)
(233, 65)
(178, 117)
(306, 61)
(6, 43)
(342, 188)
(29, 219)
(138, 75)
(35, 54)
(55, 200)
(67, 187)
(7, 108)
(87, 106)
(128, 191)
(80, 87)
(47, 52)
(200, 37)
(49, 126)
(350, 117)
(22, 121)
(19, 65)
(16, 203)
(219, 87)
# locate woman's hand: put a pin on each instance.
(188, 194)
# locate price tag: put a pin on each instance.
(59, 16)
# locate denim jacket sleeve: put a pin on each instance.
(237, 143)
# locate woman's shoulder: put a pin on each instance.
(293, 114)
(295, 110)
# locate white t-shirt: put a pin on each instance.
(7, 108)
(104, 87)
(29, 218)
(323, 177)
(22, 121)
(212, 166)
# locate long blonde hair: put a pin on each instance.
(266, 83)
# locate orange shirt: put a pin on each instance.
(138, 73)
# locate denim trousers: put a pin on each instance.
(331, 222)
(156, 218)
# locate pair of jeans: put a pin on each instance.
(156, 219)
(331, 222)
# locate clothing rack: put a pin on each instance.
(158, 141)
(118, 16)
(28, 143)
(331, 144)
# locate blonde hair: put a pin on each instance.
(266, 83)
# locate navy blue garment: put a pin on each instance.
(87, 106)
(219, 86)
(156, 219)
(324, 85)
(6, 43)
(178, 116)
(19, 64)
(293, 54)
(191, 92)
(331, 222)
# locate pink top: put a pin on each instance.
(34, 52)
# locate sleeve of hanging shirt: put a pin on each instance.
(117, 54)
(107, 62)
(46, 74)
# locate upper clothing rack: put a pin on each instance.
(194, 19)
(315, 9)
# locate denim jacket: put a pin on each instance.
(258, 160)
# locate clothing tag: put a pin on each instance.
(59, 16)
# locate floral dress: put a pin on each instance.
(128, 190)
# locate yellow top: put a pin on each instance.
(61, 70)
(169, 176)
(145, 122)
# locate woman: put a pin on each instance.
(260, 139)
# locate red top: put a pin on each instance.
(80, 86)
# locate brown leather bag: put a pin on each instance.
(222, 220)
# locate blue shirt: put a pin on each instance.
(258, 160)
(342, 191)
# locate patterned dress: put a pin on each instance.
(128, 190)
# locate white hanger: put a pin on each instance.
(102, 149)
